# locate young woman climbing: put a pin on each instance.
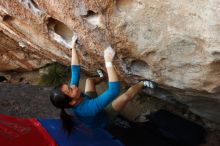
(88, 107)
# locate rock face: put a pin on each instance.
(176, 44)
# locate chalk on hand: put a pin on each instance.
(74, 38)
(109, 50)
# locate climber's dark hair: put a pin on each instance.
(67, 121)
(61, 101)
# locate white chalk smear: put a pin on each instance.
(95, 20)
(22, 44)
(30, 5)
(62, 41)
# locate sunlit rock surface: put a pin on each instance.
(176, 44)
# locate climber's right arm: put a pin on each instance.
(75, 66)
(75, 59)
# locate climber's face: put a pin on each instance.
(72, 92)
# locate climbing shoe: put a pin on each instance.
(143, 117)
(149, 84)
(100, 73)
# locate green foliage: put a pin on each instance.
(56, 75)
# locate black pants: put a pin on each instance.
(136, 134)
(163, 129)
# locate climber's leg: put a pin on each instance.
(119, 103)
(91, 83)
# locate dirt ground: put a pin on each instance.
(24, 100)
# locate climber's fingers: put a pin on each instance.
(74, 38)
(109, 54)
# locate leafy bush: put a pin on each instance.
(56, 75)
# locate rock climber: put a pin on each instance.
(88, 107)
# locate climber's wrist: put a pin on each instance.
(73, 46)
(108, 64)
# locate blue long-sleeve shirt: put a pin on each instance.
(90, 110)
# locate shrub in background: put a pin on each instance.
(56, 75)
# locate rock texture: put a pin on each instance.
(176, 44)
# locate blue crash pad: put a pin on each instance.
(82, 135)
